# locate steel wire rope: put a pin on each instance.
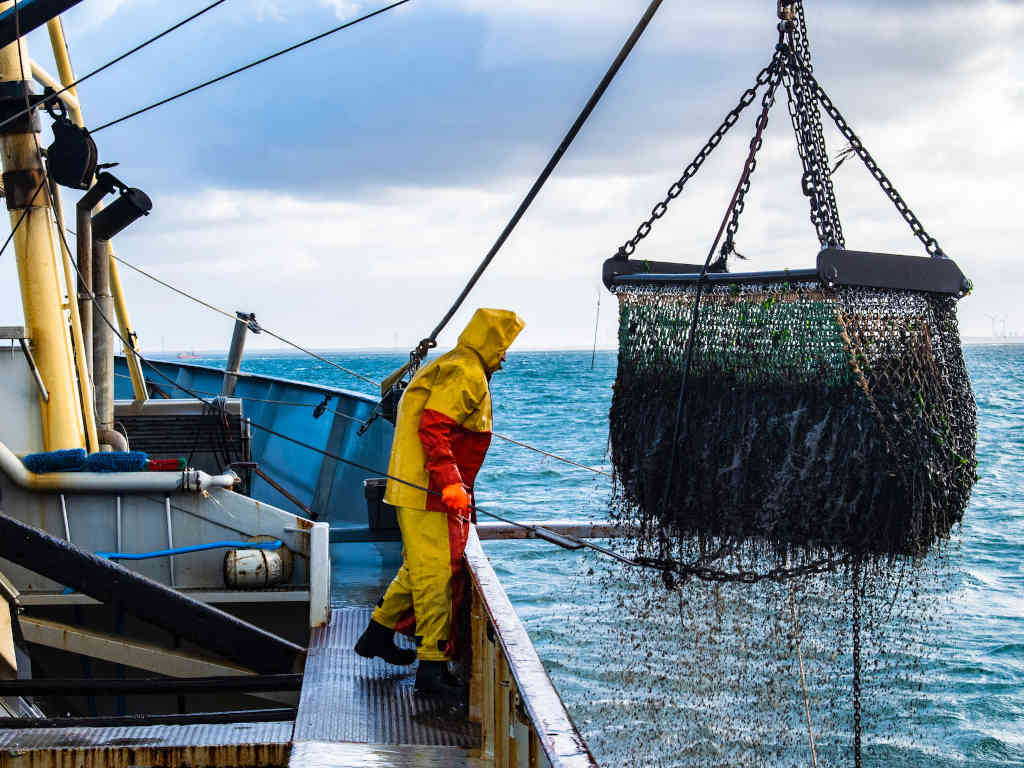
(233, 316)
(562, 148)
(294, 403)
(349, 371)
(50, 98)
(21, 218)
(581, 543)
(248, 66)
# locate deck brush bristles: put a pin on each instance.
(820, 426)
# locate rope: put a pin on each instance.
(179, 291)
(215, 407)
(250, 65)
(21, 218)
(803, 679)
(232, 315)
(551, 455)
(294, 403)
(112, 62)
(323, 359)
(588, 108)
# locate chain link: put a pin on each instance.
(659, 210)
(805, 100)
(930, 243)
(767, 102)
(810, 136)
(699, 570)
(855, 610)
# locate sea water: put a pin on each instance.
(967, 710)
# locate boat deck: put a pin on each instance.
(355, 711)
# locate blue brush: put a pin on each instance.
(116, 461)
(55, 461)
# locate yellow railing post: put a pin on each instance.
(124, 322)
(34, 244)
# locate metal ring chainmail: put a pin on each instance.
(822, 426)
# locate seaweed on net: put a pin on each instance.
(821, 426)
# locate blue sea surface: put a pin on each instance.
(968, 706)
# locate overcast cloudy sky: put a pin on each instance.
(344, 192)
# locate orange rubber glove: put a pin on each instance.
(454, 497)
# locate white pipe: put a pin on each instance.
(44, 78)
(111, 482)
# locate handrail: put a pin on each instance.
(111, 482)
(552, 727)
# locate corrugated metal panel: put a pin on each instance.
(346, 698)
(238, 744)
(147, 735)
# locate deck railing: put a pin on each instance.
(523, 721)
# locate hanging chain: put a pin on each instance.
(659, 210)
(698, 569)
(855, 605)
(810, 136)
(930, 243)
(729, 244)
(806, 99)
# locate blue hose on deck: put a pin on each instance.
(277, 544)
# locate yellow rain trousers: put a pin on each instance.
(442, 434)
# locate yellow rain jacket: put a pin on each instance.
(442, 434)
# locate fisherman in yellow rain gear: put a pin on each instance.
(442, 434)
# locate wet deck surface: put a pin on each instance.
(317, 755)
(355, 711)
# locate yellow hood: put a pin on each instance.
(490, 333)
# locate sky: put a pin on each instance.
(345, 192)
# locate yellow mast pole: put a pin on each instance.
(67, 76)
(41, 293)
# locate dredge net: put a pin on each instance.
(820, 426)
(820, 451)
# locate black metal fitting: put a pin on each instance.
(72, 157)
(20, 187)
(131, 205)
(249, 318)
(322, 408)
(13, 95)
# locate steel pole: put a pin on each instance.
(238, 337)
(36, 257)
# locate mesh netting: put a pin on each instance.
(820, 425)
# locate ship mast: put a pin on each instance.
(67, 76)
(36, 254)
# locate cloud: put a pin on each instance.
(343, 9)
(346, 194)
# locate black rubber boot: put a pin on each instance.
(379, 641)
(433, 678)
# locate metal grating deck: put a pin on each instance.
(346, 698)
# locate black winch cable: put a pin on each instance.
(567, 542)
(250, 65)
(595, 97)
(349, 371)
(21, 218)
(53, 96)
